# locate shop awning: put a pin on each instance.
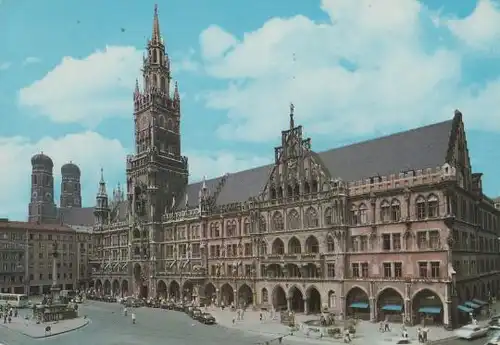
(359, 305)
(472, 305)
(478, 301)
(430, 310)
(465, 309)
(392, 307)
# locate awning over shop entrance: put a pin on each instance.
(359, 305)
(465, 309)
(430, 310)
(472, 305)
(392, 307)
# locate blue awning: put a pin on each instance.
(392, 307)
(359, 305)
(478, 301)
(472, 305)
(430, 310)
(465, 309)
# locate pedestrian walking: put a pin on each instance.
(133, 318)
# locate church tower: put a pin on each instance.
(42, 209)
(70, 186)
(157, 173)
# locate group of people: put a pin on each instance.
(125, 313)
(7, 312)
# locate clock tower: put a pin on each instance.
(157, 173)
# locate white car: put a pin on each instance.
(471, 332)
(494, 339)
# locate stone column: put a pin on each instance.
(55, 287)
(289, 303)
(306, 306)
(407, 310)
(373, 310)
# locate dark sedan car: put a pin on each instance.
(207, 319)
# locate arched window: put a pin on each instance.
(432, 206)
(328, 216)
(293, 220)
(363, 214)
(330, 244)
(277, 224)
(307, 189)
(231, 228)
(263, 248)
(163, 85)
(354, 215)
(289, 191)
(246, 226)
(395, 210)
(273, 194)
(385, 211)
(311, 220)
(420, 208)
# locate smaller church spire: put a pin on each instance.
(102, 185)
(156, 36)
(136, 91)
(177, 97)
(292, 122)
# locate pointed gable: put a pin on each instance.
(419, 148)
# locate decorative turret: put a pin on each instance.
(70, 186)
(101, 209)
(42, 208)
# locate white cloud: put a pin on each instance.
(31, 60)
(87, 90)
(370, 68)
(481, 29)
(89, 150)
(4, 65)
(215, 42)
(210, 164)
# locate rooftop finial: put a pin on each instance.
(155, 37)
(292, 122)
(102, 174)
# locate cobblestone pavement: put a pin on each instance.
(273, 328)
(154, 326)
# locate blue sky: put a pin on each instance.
(354, 69)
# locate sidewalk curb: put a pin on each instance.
(86, 323)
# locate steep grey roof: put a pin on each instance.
(420, 148)
(77, 216)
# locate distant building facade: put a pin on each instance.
(394, 227)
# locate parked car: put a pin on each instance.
(471, 332)
(207, 319)
(179, 307)
(195, 313)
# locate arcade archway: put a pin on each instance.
(427, 305)
(116, 287)
(98, 285)
(161, 289)
(245, 295)
(390, 305)
(296, 299)
(187, 290)
(358, 303)
(279, 298)
(124, 288)
(227, 294)
(175, 290)
(107, 287)
(313, 300)
(210, 293)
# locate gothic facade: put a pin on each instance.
(397, 226)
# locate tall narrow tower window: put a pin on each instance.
(155, 56)
(163, 84)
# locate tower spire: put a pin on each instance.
(102, 185)
(156, 37)
(292, 122)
